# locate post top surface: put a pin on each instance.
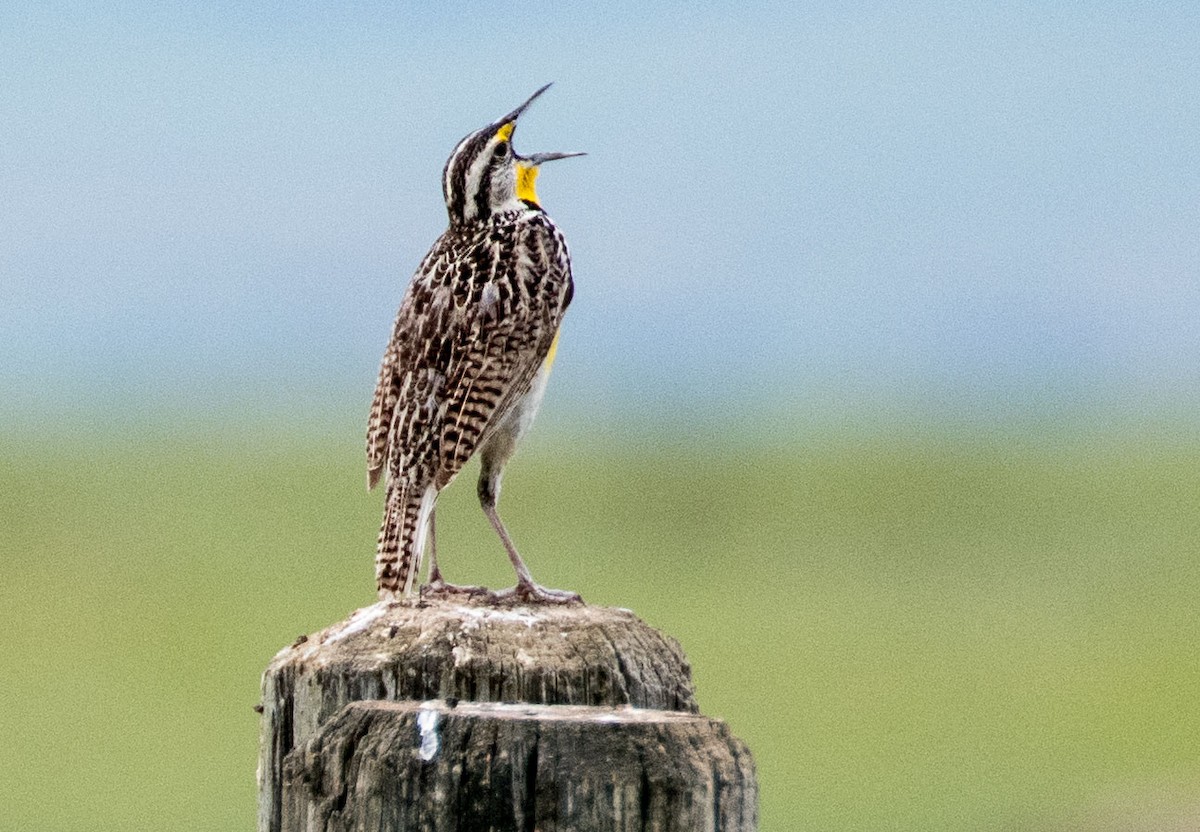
(569, 654)
(370, 628)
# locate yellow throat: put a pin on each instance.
(526, 178)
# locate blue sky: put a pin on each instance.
(984, 208)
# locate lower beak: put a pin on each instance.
(538, 158)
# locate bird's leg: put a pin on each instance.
(435, 574)
(437, 585)
(526, 589)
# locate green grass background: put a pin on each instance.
(948, 632)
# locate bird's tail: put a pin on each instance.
(402, 536)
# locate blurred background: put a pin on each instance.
(879, 390)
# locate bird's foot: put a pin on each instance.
(531, 593)
(438, 588)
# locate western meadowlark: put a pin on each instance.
(469, 356)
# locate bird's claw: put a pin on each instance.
(531, 593)
(440, 589)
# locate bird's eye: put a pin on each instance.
(501, 149)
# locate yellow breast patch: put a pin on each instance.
(549, 362)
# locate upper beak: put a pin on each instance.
(515, 114)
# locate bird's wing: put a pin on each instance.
(395, 391)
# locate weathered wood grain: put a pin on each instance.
(390, 767)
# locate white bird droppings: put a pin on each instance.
(359, 621)
(494, 614)
(427, 721)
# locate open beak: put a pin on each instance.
(537, 158)
(510, 121)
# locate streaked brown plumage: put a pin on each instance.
(469, 354)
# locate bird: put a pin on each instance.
(469, 357)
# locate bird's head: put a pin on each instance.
(485, 176)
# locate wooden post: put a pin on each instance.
(457, 716)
